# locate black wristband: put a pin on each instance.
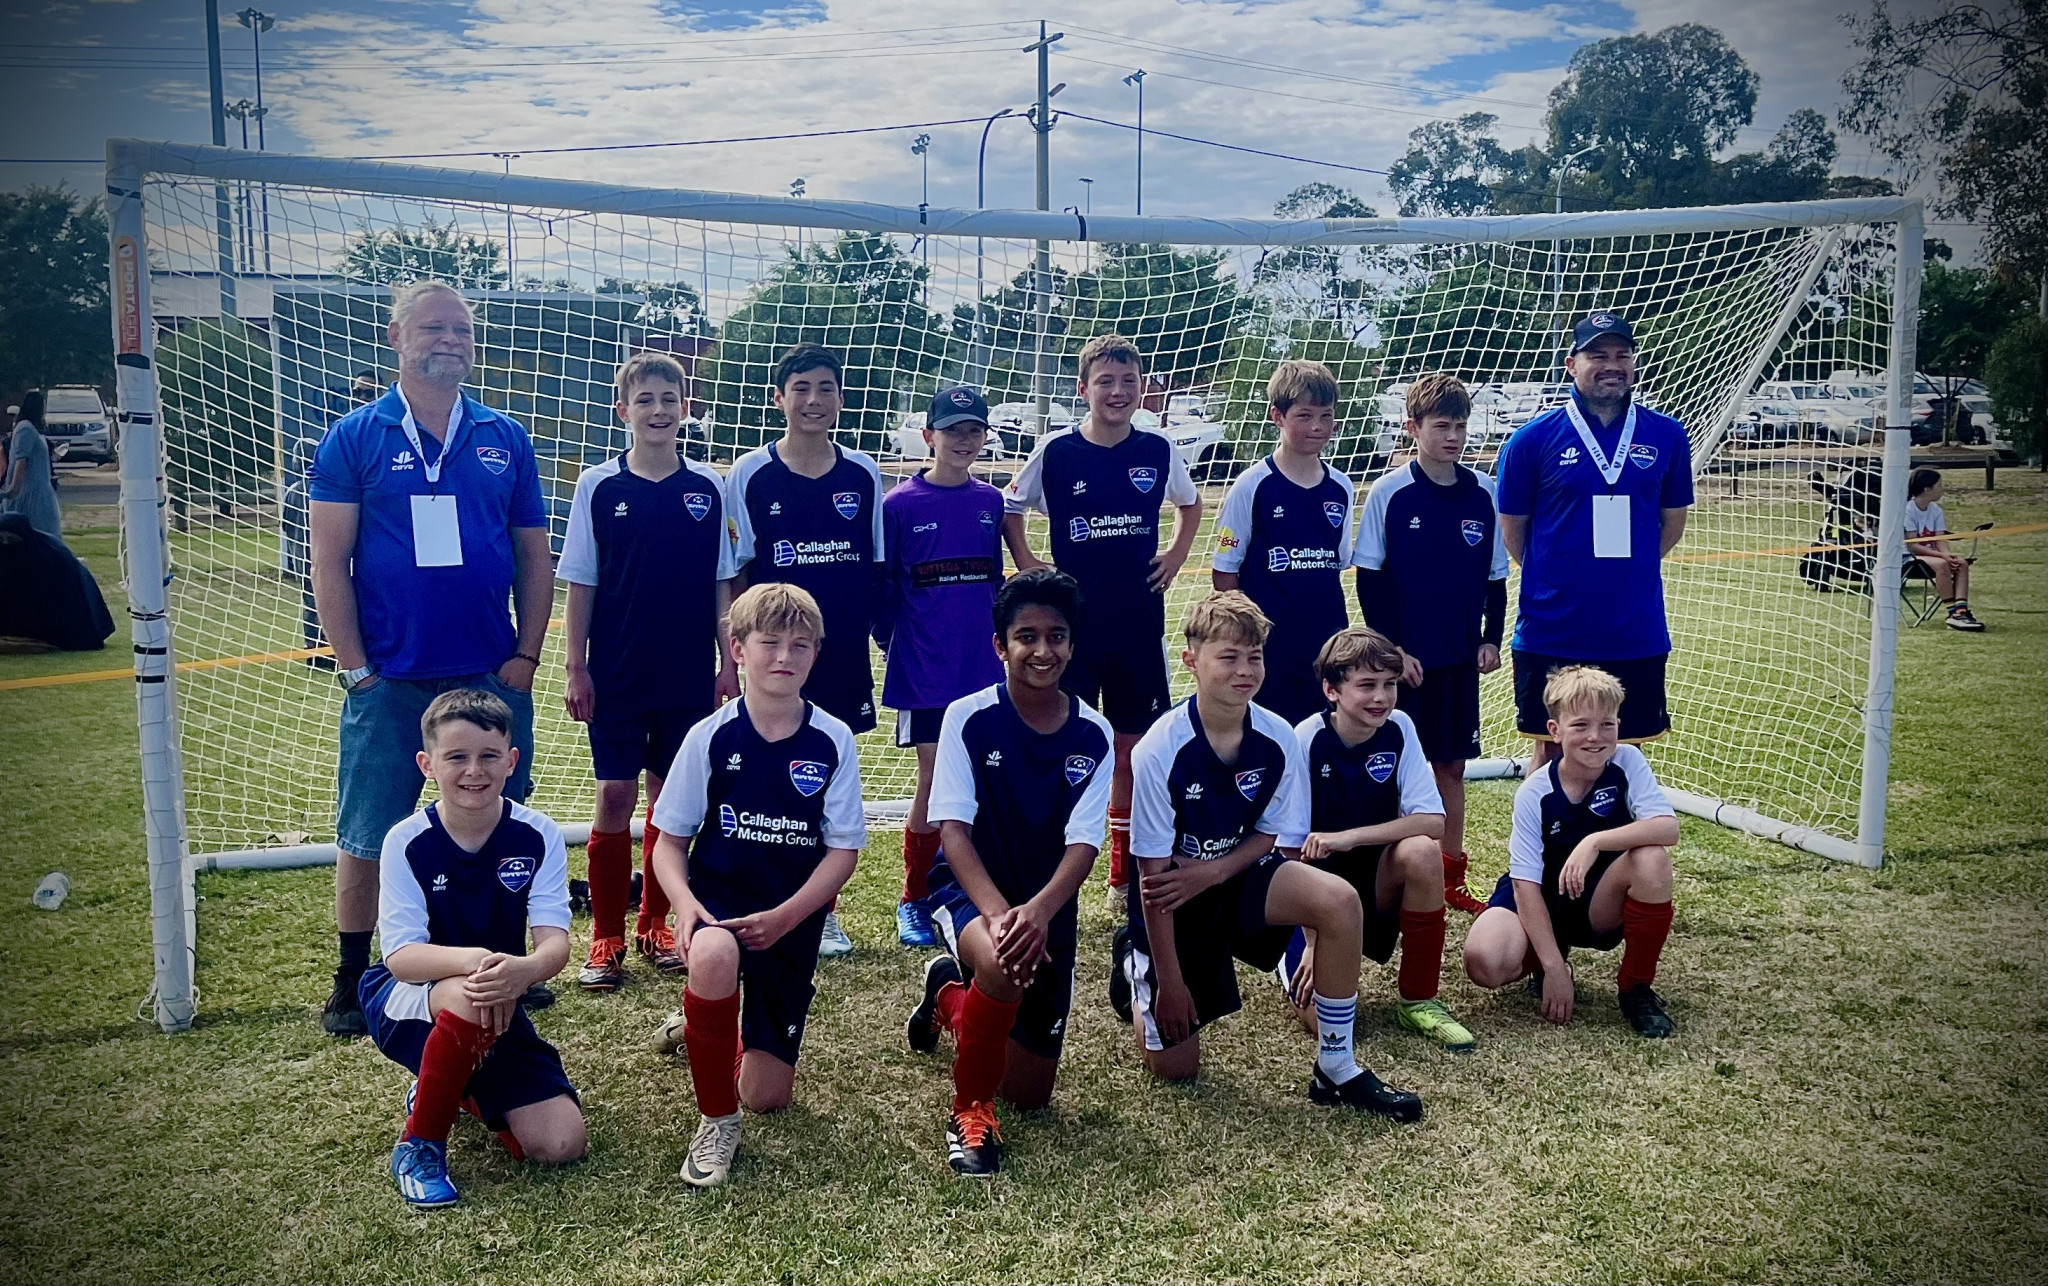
(522, 656)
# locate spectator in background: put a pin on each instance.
(30, 489)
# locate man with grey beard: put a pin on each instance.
(426, 515)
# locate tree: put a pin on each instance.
(1451, 167)
(672, 307)
(1962, 312)
(2017, 375)
(53, 290)
(220, 420)
(1176, 304)
(1963, 93)
(433, 251)
(1309, 283)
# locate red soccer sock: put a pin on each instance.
(984, 1047)
(920, 850)
(1455, 865)
(454, 1049)
(948, 1004)
(611, 872)
(1644, 927)
(1422, 954)
(653, 898)
(711, 1034)
(1119, 845)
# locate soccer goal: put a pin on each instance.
(250, 294)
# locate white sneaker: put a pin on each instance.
(833, 941)
(711, 1152)
(668, 1038)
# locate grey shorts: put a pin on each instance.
(380, 777)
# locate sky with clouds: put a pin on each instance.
(1335, 81)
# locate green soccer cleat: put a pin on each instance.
(1430, 1018)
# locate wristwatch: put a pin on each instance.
(350, 678)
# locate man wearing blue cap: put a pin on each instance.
(943, 531)
(1592, 496)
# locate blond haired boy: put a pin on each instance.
(1589, 861)
(1218, 792)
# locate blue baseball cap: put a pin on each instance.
(1600, 326)
(956, 406)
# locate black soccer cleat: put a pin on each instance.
(974, 1145)
(921, 1029)
(538, 996)
(1119, 975)
(1367, 1092)
(1644, 1010)
(342, 1015)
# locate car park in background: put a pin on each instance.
(77, 425)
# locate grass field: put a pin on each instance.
(1856, 1092)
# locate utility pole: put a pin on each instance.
(981, 203)
(1041, 123)
(1557, 207)
(511, 279)
(223, 224)
(245, 227)
(1138, 78)
(1087, 211)
(259, 22)
(921, 148)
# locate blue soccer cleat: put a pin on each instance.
(914, 925)
(420, 1167)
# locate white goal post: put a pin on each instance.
(1781, 334)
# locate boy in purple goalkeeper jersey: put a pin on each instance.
(943, 531)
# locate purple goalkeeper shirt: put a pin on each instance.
(936, 611)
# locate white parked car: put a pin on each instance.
(1016, 424)
(76, 424)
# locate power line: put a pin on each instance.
(1277, 93)
(692, 142)
(1229, 147)
(595, 44)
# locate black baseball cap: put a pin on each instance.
(956, 406)
(1600, 326)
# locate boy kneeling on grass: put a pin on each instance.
(1374, 821)
(1589, 861)
(1219, 790)
(782, 780)
(465, 880)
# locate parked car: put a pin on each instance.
(910, 444)
(1016, 423)
(1769, 421)
(76, 424)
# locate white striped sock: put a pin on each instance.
(1333, 1025)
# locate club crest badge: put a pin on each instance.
(697, 504)
(496, 459)
(1642, 455)
(515, 873)
(807, 775)
(1334, 511)
(1144, 480)
(847, 503)
(784, 553)
(728, 820)
(1472, 530)
(1078, 769)
(988, 519)
(1601, 802)
(1248, 782)
(1379, 767)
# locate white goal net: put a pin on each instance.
(1767, 330)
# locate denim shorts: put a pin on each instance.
(380, 777)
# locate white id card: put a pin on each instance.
(436, 532)
(1610, 527)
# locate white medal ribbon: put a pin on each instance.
(1610, 470)
(433, 471)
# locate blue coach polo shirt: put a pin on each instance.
(431, 622)
(1574, 605)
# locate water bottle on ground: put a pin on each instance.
(50, 894)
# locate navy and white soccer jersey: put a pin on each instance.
(1381, 779)
(1187, 803)
(1103, 503)
(1025, 794)
(763, 813)
(655, 551)
(1547, 825)
(1438, 546)
(824, 535)
(434, 891)
(1288, 546)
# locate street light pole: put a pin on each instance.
(259, 22)
(1087, 209)
(981, 203)
(1041, 124)
(223, 222)
(921, 148)
(1557, 207)
(1138, 78)
(244, 227)
(511, 277)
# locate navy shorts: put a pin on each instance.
(775, 985)
(1568, 922)
(919, 727)
(379, 773)
(1643, 713)
(842, 684)
(1360, 868)
(625, 743)
(520, 1070)
(1041, 1024)
(1446, 712)
(1123, 677)
(1220, 925)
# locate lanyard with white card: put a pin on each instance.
(436, 521)
(1611, 525)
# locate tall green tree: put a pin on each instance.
(54, 327)
(2016, 372)
(1320, 283)
(431, 252)
(1177, 305)
(1452, 168)
(1962, 94)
